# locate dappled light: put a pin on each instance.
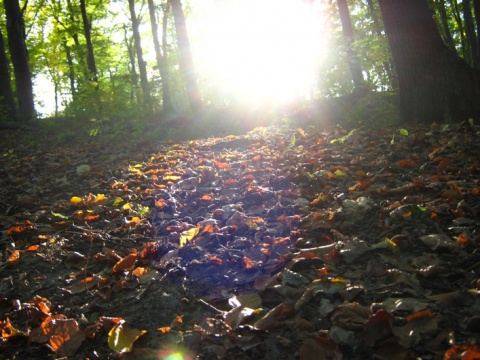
(239, 179)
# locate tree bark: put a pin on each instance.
(142, 68)
(352, 57)
(92, 67)
(434, 82)
(186, 60)
(448, 38)
(19, 57)
(471, 36)
(378, 29)
(7, 101)
(161, 59)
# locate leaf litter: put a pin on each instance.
(282, 243)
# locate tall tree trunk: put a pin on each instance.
(352, 57)
(448, 38)
(161, 59)
(476, 13)
(186, 60)
(71, 69)
(142, 68)
(7, 101)
(131, 65)
(471, 36)
(92, 67)
(435, 83)
(378, 29)
(458, 19)
(19, 56)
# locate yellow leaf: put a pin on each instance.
(126, 206)
(172, 178)
(121, 337)
(75, 200)
(100, 199)
(118, 200)
(188, 235)
(339, 173)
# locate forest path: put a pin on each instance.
(281, 243)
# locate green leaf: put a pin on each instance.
(58, 215)
(403, 132)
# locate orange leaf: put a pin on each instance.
(223, 165)
(8, 330)
(463, 239)
(140, 271)
(215, 259)
(125, 263)
(419, 314)
(464, 352)
(15, 230)
(249, 263)
(164, 329)
(406, 163)
(91, 217)
(13, 258)
(206, 198)
(33, 248)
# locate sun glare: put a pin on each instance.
(257, 51)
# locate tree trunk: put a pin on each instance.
(434, 82)
(71, 69)
(142, 68)
(448, 38)
(7, 101)
(161, 59)
(378, 29)
(92, 67)
(352, 57)
(471, 36)
(458, 19)
(186, 60)
(19, 57)
(131, 66)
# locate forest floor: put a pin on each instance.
(283, 243)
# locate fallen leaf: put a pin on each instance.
(122, 337)
(125, 263)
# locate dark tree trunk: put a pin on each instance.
(471, 36)
(19, 56)
(352, 57)
(186, 60)
(92, 67)
(161, 58)
(142, 68)
(71, 69)
(378, 29)
(7, 101)
(458, 19)
(448, 38)
(435, 83)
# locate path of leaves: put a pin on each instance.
(280, 244)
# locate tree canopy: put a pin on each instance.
(108, 59)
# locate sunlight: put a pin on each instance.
(257, 51)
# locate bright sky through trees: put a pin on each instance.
(246, 52)
(257, 51)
